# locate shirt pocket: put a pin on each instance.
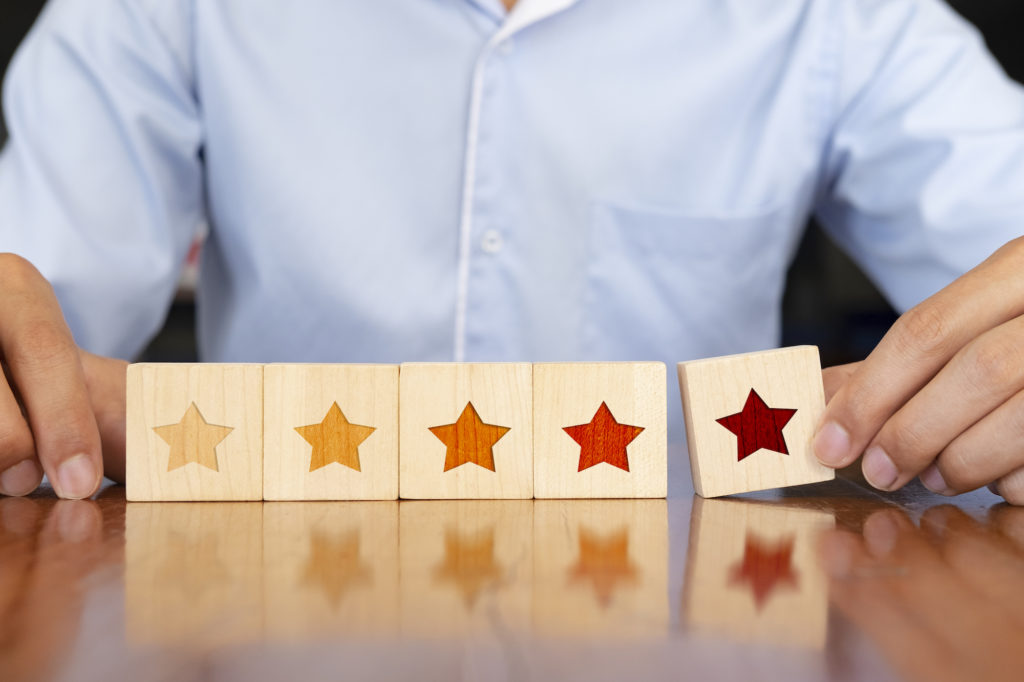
(674, 285)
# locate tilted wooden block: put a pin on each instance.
(600, 430)
(752, 572)
(194, 432)
(466, 431)
(330, 432)
(750, 420)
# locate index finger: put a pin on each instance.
(44, 363)
(913, 351)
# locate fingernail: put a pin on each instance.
(879, 469)
(994, 488)
(832, 445)
(20, 479)
(932, 479)
(76, 478)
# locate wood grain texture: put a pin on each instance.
(601, 567)
(331, 432)
(194, 432)
(186, 566)
(435, 395)
(330, 568)
(753, 574)
(716, 390)
(462, 562)
(600, 430)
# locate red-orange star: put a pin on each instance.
(469, 440)
(603, 440)
(764, 568)
(758, 426)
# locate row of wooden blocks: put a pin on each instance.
(467, 430)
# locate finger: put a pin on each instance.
(19, 472)
(44, 363)
(1011, 487)
(976, 381)
(835, 377)
(1008, 521)
(106, 379)
(987, 451)
(915, 348)
(983, 559)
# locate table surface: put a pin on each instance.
(830, 581)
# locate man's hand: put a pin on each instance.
(942, 396)
(61, 409)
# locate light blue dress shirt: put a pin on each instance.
(390, 180)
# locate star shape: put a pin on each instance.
(469, 439)
(335, 565)
(603, 562)
(758, 426)
(335, 439)
(193, 439)
(603, 440)
(765, 568)
(469, 563)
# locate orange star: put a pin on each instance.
(764, 568)
(604, 562)
(336, 566)
(193, 440)
(335, 439)
(603, 440)
(469, 440)
(469, 563)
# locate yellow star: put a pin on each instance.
(193, 440)
(335, 439)
(469, 563)
(469, 440)
(336, 566)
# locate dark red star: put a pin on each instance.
(758, 426)
(603, 440)
(764, 568)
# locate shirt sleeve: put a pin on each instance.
(924, 169)
(101, 178)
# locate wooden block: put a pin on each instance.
(466, 567)
(752, 572)
(330, 568)
(194, 432)
(330, 432)
(466, 431)
(750, 420)
(194, 573)
(599, 430)
(601, 568)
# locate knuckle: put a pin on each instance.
(907, 445)
(994, 362)
(44, 343)
(15, 443)
(924, 330)
(17, 273)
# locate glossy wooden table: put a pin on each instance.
(824, 582)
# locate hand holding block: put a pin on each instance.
(330, 432)
(194, 432)
(750, 420)
(466, 431)
(599, 430)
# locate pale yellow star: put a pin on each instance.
(193, 440)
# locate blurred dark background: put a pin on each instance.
(828, 301)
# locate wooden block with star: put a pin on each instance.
(600, 430)
(330, 432)
(750, 419)
(194, 432)
(466, 431)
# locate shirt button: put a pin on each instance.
(492, 241)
